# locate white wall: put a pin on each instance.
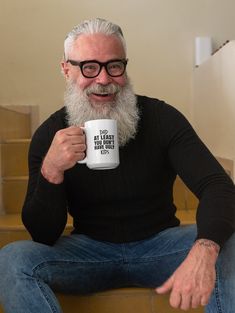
(214, 102)
(160, 36)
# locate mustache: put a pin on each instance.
(101, 89)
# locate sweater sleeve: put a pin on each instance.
(44, 212)
(201, 172)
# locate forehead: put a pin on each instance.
(100, 47)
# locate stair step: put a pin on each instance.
(184, 199)
(14, 156)
(124, 300)
(186, 217)
(179, 194)
(14, 190)
(12, 228)
(17, 140)
(14, 124)
(13, 222)
(13, 193)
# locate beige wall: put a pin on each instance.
(160, 36)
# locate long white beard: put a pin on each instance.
(124, 109)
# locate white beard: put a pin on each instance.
(124, 109)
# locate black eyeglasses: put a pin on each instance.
(92, 68)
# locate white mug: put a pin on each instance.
(102, 150)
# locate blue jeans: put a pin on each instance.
(77, 264)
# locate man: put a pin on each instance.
(125, 229)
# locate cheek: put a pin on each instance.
(77, 78)
(83, 82)
(121, 81)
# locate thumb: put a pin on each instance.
(165, 287)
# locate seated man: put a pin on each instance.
(125, 229)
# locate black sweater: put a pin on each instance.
(133, 201)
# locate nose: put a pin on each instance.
(103, 78)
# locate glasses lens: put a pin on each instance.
(115, 68)
(90, 69)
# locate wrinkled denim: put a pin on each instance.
(77, 264)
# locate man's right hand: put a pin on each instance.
(67, 147)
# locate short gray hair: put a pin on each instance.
(93, 26)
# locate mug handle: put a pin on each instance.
(84, 161)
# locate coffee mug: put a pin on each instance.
(102, 150)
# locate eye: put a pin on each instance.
(115, 65)
(90, 67)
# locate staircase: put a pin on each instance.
(15, 133)
(15, 137)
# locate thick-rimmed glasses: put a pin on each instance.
(92, 68)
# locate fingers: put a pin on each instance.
(67, 147)
(196, 301)
(184, 296)
(205, 300)
(75, 142)
(71, 138)
(193, 281)
(72, 130)
(175, 299)
(166, 287)
(185, 301)
(72, 135)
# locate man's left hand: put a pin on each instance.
(193, 281)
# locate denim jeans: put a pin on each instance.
(77, 264)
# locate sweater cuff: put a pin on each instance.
(217, 231)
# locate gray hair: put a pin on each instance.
(93, 26)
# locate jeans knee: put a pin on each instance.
(16, 257)
(10, 256)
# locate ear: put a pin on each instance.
(65, 69)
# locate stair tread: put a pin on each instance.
(13, 222)
(14, 109)
(187, 216)
(13, 141)
(14, 178)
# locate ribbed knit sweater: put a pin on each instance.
(135, 200)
